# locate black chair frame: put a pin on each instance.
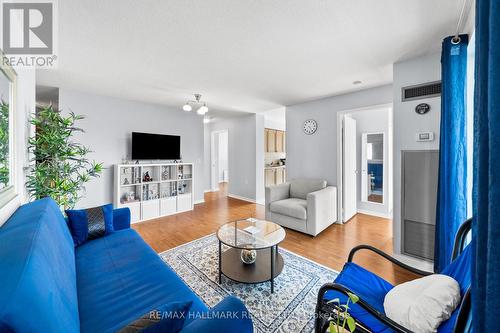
(325, 310)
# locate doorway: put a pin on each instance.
(219, 160)
(365, 162)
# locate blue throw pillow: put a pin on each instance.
(90, 223)
(167, 318)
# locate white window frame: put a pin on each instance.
(11, 192)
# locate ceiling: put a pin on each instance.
(248, 56)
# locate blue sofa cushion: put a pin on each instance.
(37, 271)
(229, 316)
(124, 281)
(167, 318)
(368, 286)
(90, 223)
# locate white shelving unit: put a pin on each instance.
(154, 190)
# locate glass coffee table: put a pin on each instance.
(252, 256)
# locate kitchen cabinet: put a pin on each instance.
(270, 177)
(266, 140)
(279, 176)
(274, 141)
(271, 141)
(274, 176)
(279, 141)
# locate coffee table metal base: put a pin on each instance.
(267, 266)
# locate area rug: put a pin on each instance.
(289, 309)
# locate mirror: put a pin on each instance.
(372, 167)
(7, 81)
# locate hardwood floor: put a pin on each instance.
(330, 248)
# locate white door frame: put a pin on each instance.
(340, 153)
(214, 172)
(350, 165)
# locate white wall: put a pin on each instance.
(407, 122)
(108, 125)
(275, 119)
(223, 161)
(207, 182)
(25, 106)
(315, 156)
(373, 121)
(245, 155)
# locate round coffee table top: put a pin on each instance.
(251, 234)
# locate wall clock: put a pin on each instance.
(310, 126)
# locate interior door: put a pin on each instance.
(349, 184)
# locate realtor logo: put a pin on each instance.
(28, 33)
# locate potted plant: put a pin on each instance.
(341, 318)
(60, 166)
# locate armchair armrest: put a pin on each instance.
(277, 192)
(387, 257)
(322, 309)
(229, 316)
(121, 218)
(321, 209)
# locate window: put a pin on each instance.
(7, 160)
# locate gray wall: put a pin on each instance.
(108, 126)
(245, 155)
(316, 155)
(407, 123)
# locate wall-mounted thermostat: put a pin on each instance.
(425, 136)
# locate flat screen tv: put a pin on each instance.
(147, 146)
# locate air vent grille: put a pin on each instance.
(426, 90)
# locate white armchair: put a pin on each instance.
(305, 205)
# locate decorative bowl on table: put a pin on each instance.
(248, 257)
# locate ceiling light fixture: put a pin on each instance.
(202, 110)
(356, 82)
(206, 120)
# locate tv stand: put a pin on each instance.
(154, 190)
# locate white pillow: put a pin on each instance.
(423, 304)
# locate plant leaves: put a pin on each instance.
(353, 297)
(335, 300)
(351, 323)
(59, 167)
(333, 327)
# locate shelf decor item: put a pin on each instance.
(157, 191)
(60, 166)
(248, 257)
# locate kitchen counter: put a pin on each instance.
(274, 166)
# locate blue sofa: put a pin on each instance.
(48, 285)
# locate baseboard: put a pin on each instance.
(234, 196)
(378, 214)
(421, 264)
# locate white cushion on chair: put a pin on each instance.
(423, 304)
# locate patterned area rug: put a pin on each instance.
(289, 309)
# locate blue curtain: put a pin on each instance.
(451, 210)
(486, 189)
